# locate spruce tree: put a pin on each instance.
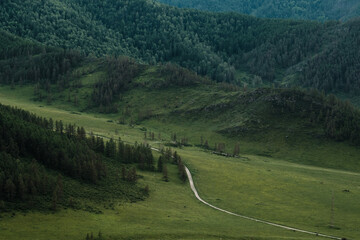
(165, 173)
(160, 164)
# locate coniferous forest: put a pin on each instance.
(304, 9)
(218, 45)
(30, 145)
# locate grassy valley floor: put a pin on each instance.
(263, 187)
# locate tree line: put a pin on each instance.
(29, 145)
(24, 135)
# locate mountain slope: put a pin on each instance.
(166, 105)
(33, 150)
(116, 77)
(316, 10)
(284, 123)
(221, 46)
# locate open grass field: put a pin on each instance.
(171, 212)
(263, 187)
(278, 191)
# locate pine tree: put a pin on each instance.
(123, 173)
(120, 152)
(182, 171)
(51, 124)
(110, 148)
(61, 127)
(167, 155)
(165, 173)
(176, 158)
(100, 237)
(10, 189)
(160, 164)
(59, 187)
(21, 187)
(13, 148)
(237, 149)
(206, 144)
(147, 190)
(54, 200)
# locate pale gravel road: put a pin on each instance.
(250, 218)
(192, 186)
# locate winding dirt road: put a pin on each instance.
(192, 186)
(250, 218)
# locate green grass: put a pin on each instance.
(171, 212)
(279, 191)
(286, 192)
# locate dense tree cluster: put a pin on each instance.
(338, 67)
(303, 9)
(178, 76)
(212, 44)
(339, 119)
(181, 167)
(166, 157)
(120, 73)
(129, 174)
(30, 144)
(23, 134)
(125, 153)
(21, 180)
(24, 62)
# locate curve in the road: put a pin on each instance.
(192, 186)
(250, 218)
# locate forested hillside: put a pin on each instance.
(34, 149)
(28, 63)
(304, 9)
(24, 61)
(221, 46)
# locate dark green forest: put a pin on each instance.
(295, 9)
(25, 58)
(52, 70)
(339, 119)
(31, 146)
(24, 61)
(218, 45)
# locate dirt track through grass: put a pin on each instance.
(191, 182)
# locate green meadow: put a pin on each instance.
(287, 186)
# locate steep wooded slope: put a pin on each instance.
(304, 9)
(217, 45)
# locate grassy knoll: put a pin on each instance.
(264, 187)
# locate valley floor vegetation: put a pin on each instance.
(94, 146)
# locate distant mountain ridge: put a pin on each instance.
(227, 47)
(295, 9)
